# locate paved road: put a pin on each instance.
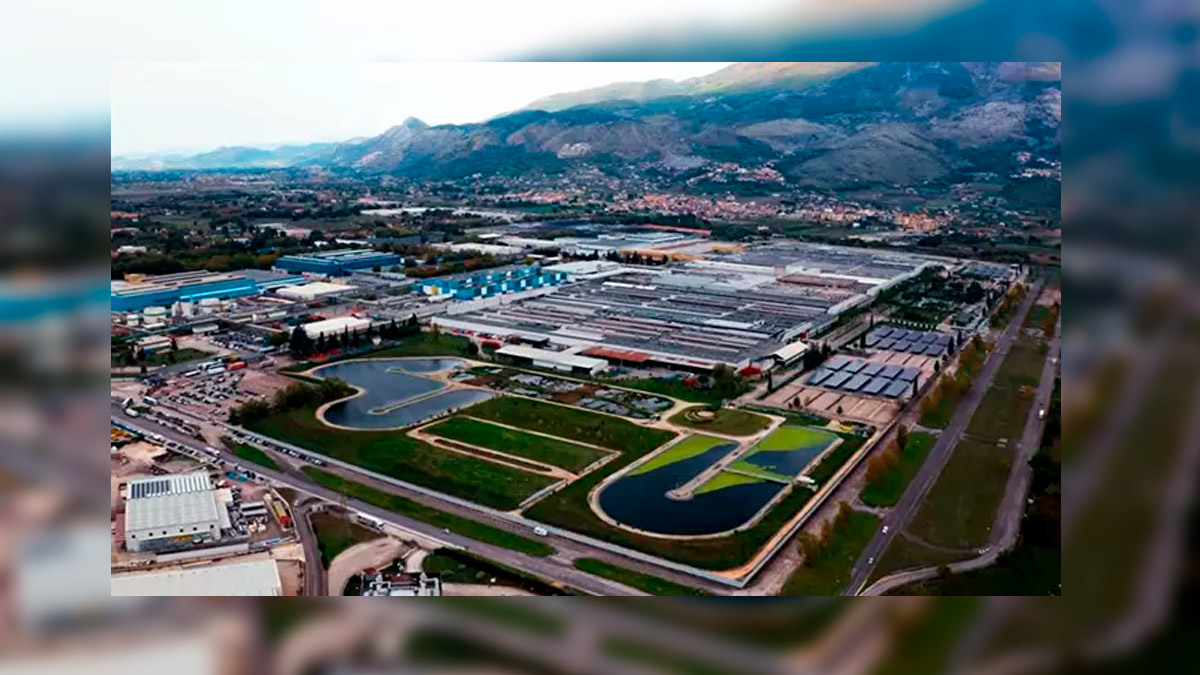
(554, 568)
(314, 568)
(910, 501)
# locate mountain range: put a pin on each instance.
(825, 125)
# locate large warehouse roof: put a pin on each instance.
(572, 360)
(253, 578)
(157, 486)
(335, 325)
(172, 511)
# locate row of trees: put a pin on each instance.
(883, 462)
(811, 545)
(301, 345)
(1050, 320)
(292, 397)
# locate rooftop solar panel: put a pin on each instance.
(836, 380)
(872, 368)
(876, 385)
(908, 374)
(887, 343)
(884, 331)
(925, 338)
(890, 371)
(837, 362)
(933, 349)
(853, 366)
(896, 389)
(940, 339)
(819, 375)
(902, 346)
(873, 340)
(855, 383)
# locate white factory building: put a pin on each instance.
(171, 512)
(248, 578)
(336, 326)
(545, 358)
(314, 290)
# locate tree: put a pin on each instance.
(300, 344)
(901, 436)
(322, 344)
(808, 545)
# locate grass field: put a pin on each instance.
(569, 508)
(570, 456)
(394, 454)
(725, 421)
(336, 533)
(959, 510)
(793, 438)
(571, 423)
(887, 488)
(696, 444)
(903, 554)
(454, 566)
(427, 344)
(253, 454)
(725, 479)
(829, 572)
(645, 582)
(181, 355)
(407, 507)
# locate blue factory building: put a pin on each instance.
(337, 263)
(486, 283)
(164, 290)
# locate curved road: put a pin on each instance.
(554, 568)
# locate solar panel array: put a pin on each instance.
(928, 343)
(859, 376)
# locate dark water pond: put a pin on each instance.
(387, 385)
(641, 501)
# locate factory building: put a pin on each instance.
(248, 578)
(138, 292)
(165, 513)
(337, 263)
(487, 283)
(545, 358)
(314, 290)
(336, 326)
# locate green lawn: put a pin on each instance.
(569, 508)
(571, 423)
(394, 454)
(960, 508)
(794, 438)
(461, 567)
(644, 582)
(407, 507)
(725, 479)
(903, 554)
(255, 455)
(829, 572)
(887, 488)
(427, 344)
(181, 355)
(570, 456)
(337, 532)
(696, 444)
(726, 421)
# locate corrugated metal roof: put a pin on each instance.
(156, 486)
(171, 511)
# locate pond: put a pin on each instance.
(641, 500)
(394, 393)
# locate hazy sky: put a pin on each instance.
(194, 107)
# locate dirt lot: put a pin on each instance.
(377, 553)
(471, 590)
(291, 574)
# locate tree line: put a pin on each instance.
(292, 397)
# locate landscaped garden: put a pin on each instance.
(721, 420)
(570, 456)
